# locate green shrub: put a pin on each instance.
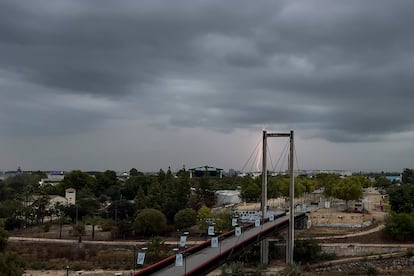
(294, 269)
(106, 225)
(399, 226)
(78, 265)
(38, 265)
(46, 227)
(372, 270)
(237, 268)
(150, 222)
(307, 251)
(409, 253)
(185, 218)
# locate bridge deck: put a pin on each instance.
(210, 257)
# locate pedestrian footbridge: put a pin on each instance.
(203, 258)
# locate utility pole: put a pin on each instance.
(264, 246)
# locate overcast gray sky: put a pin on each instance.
(103, 84)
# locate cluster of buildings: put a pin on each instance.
(54, 177)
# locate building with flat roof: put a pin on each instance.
(206, 171)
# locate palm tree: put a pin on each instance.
(156, 248)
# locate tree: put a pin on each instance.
(203, 215)
(401, 198)
(222, 219)
(161, 176)
(204, 192)
(167, 186)
(92, 220)
(150, 222)
(155, 196)
(251, 192)
(62, 220)
(10, 208)
(39, 207)
(131, 186)
(283, 185)
(124, 227)
(399, 226)
(10, 262)
(328, 182)
(12, 223)
(308, 184)
(5, 191)
(348, 189)
(135, 172)
(156, 249)
(141, 199)
(122, 210)
(363, 181)
(78, 180)
(87, 204)
(79, 229)
(250, 189)
(170, 209)
(182, 188)
(407, 176)
(105, 183)
(23, 184)
(307, 251)
(185, 218)
(382, 182)
(3, 237)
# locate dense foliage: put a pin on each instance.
(401, 198)
(349, 188)
(10, 262)
(150, 222)
(399, 224)
(106, 196)
(308, 251)
(407, 176)
(185, 218)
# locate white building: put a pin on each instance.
(226, 197)
(51, 179)
(70, 195)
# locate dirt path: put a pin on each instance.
(98, 272)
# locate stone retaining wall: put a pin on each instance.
(364, 249)
(386, 264)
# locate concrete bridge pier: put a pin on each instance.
(264, 251)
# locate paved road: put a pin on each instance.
(44, 240)
(66, 241)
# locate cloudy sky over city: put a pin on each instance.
(104, 84)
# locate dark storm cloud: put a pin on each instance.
(344, 68)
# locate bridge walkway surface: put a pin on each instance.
(201, 259)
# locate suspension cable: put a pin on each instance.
(282, 157)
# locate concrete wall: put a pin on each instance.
(364, 249)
